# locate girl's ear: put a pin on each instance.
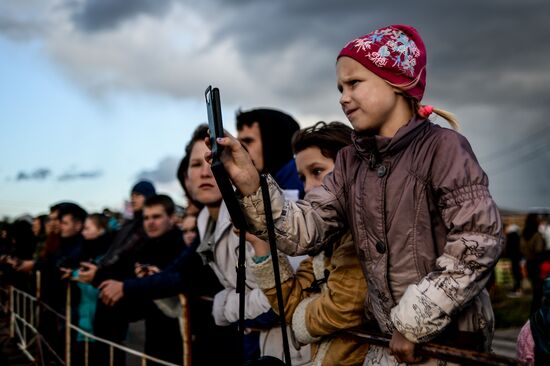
(398, 91)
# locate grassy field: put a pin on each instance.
(510, 312)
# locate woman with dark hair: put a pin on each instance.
(189, 228)
(21, 244)
(23, 239)
(193, 206)
(39, 225)
(40, 231)
(531, 247)
(96, 243)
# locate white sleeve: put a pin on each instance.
(226, 305)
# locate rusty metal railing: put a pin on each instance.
(440, 352)
(24, 310)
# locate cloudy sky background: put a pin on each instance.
(96, 94)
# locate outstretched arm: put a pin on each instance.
(176, 278)
(301, 227)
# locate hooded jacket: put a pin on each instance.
(276, 131)
(426, 228)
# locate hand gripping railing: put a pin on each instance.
(440, 352)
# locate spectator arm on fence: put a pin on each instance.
(176, 278)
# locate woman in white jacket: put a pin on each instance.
(219, 249)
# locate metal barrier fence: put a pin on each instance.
(24, 311)
(23, 320)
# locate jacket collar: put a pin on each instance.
(374, 147)
(169, 237)
(223, 222)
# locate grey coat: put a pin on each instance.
(426, 229)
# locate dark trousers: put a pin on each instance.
(162, 336)
(110, 323)
(79, 354)
(52, 336)
(516, 274)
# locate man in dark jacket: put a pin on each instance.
(72, 219)
(65, 256)
(130, 237)
(57, 263)
(111, 323)
(164, 243)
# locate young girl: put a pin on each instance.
(96, 243)
(327, 293)
(189, 227)
(413, 195)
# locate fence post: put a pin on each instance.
(86, 351)
(68, 327)
(24, 323)
(38, 290)
(39, 356)
(12, 313)
(185, 330)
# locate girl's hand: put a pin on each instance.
(403, 349)
(261, 247)
(87, 272)
(237, 163)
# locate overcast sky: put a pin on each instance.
(96, 94)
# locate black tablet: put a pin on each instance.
(215, 125)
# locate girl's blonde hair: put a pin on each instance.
(448, 116)
(415, 104)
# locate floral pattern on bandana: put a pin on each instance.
(389, 45)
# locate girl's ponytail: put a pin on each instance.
(426, 110)
(451, 119)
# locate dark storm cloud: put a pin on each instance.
(37, 174)
(18, 28)
(165, 171)
(487, 62)
(42, 174)
(79, 175)
(479, 52)
(97, 15)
